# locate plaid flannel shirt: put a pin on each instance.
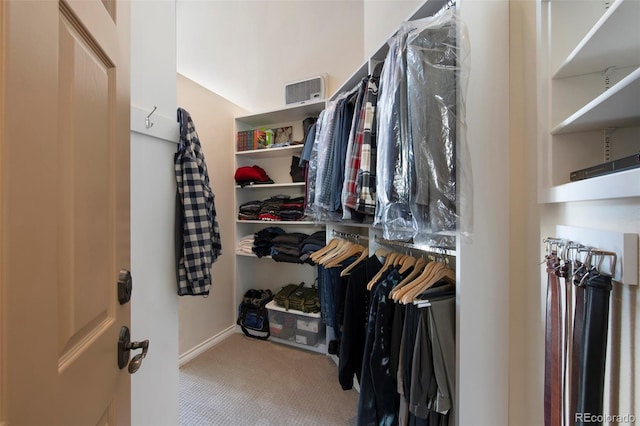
(366, 179)
(353, 154)
(200, 233)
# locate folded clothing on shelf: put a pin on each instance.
(247, 175)
(262, 243)
(286, 247)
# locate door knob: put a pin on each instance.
(125, 345)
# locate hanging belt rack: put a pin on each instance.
(573, 243)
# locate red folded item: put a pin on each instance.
(251, 174)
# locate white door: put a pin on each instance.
(64, 210)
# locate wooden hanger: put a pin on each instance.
(407, 262)
(319, 253)
(364, 255)
(351, 249)
(417, 269)
(440, 272)
(407, 286)
(388, 261)
(339, 246)
(381, 253)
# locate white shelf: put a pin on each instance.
(291, 113)
(617, 185)
(272, 185)
(612, 41)
(617, 107)
(241, 253)
(270, 152)
(281, 222)
(274, 307)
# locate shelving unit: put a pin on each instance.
(251, 271)
(589, 70)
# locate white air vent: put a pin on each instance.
(300, 92)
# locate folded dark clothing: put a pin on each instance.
(278, 198)
(251, 204)
(289, 216)
(292, 206)
(244, 183)
(311, 247)
(291, 238)
(279, 257)
(292, 251)
(243, 216)
(269, 233)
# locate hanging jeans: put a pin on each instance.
(378, 400)
(594, 347)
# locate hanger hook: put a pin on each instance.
(147, 121)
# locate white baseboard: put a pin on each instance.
(205, 346)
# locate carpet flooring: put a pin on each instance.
(242, 381)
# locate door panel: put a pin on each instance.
(64, 211)
(86, 152)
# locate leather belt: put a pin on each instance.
(553, 346)
(579, 278)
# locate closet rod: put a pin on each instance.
(445, 251)
(348, 235)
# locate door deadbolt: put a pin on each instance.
(125, 345)
(125, 286)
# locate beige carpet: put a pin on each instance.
(243, 381)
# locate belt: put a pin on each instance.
(579, 278)
(553, 346)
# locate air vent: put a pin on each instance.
(300, 92)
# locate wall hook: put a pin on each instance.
(147, 121)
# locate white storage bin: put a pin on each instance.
(304, 328)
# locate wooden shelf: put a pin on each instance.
(611, 42)
(617, 107)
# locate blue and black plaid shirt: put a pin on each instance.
(200, 233)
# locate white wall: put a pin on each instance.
(526, 335)
(154, 310)
(530, 223)
(204, 320)
(381, 20)
(246, 51)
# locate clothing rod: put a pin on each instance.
(348, 235)
(445, 251)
